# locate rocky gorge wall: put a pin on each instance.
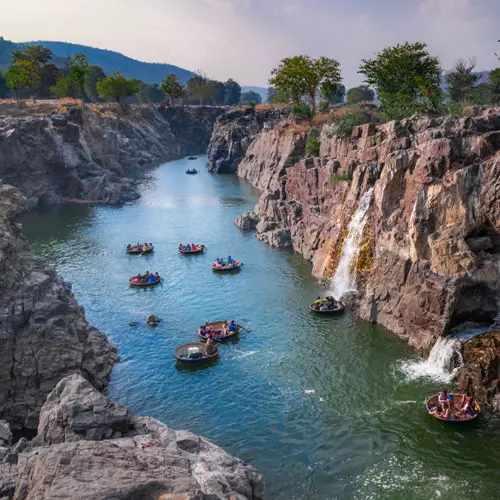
(65, 152)
(429, 256)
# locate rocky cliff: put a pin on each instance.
(233, 133)
(429, 255)
(89, 447)
(60, 152)
(44, 335)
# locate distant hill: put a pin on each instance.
(260, 90)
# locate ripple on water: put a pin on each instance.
(314, 402)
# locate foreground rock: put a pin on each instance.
(233, 133)
(429, 255)
(44, 335)
(66, 152)
(148, 461)
(247, 221)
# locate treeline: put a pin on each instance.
(405, 78)
(33, 74)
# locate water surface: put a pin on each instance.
(320, 405)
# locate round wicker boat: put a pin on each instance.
(139, 252)
(226, 269)
(144, 285)
(217, 328)
(182, 354)
(432, 402)
(329, 312)
(201, 249)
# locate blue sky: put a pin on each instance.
(244, 39)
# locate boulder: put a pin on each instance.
(247, 221)
(5, 434)
(75, 411)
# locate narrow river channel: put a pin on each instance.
(321, 406)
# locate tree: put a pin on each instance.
(117, 87)
(461, 80)
(17, 77)
(360, 94)
(406, 77)
(494, 85)
(199, 87)
(4, 88)
(232, 94)
(333, 92)
(64, 87)
(149, 92)
(301, 75)
(271, 95)
(172, 88)
(218, 92)
(251, 97)
(78, 68)
(93, 75)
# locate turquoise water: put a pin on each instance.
(319, 405)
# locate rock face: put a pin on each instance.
(148, 461)
(247, 221)
(233, 133)
(429, 256)
(85, 154)
(44, 335)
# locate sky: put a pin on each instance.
(245, 39)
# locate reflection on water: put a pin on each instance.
(320, 405)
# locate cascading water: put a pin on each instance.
(442, 365)
(344, 280)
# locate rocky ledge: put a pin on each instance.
(233, 133)
(89, 447)
(65, 152)
(44, 335)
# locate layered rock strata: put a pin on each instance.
(92, 153)
(44, 335)
(89, 447)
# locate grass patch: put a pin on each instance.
(313, 146)
(340, 178)
(347, 124)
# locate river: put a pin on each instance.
(322, 406)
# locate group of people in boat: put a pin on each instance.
(190, 247)
(145, 279)
(450, 409)
(191, 171)
(327, 304)
(145, 247)
(207, 331)
(230, 264)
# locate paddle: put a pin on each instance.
(243, 328)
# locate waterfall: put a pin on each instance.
(442, 365)
(344, 280)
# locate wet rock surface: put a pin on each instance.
(44, 335)
(147, 460)
(247, 221)
(89, 154)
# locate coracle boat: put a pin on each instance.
(432, 403)
(338, 310)
(192, 172)
(217, 331)
(234, 267)
(195, 353)
(197, 250)
(139, 251)
(144, 285)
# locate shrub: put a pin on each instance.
(302, 111)
(347, 124)
(313, 145)
(340, 178)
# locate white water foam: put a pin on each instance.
(344, 280)
(442, 365)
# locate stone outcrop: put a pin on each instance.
(429, 259)
(144, 459)
(234, 131)
(44, 335)
(247, 221)
(66, 152)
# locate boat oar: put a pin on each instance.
(243, 328)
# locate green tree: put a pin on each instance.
(172, 88)
(64, 87)
(333, 93)
(301, 75)
(117, 87)
(4, 88)
(406, 77)
(461, 80)
(271, 95)
(251, 97)
(218, 92)
(17, 77)
(149, 92)
(93, 75)
(360, 94)
(232, 94)
(494, 85)
(200, 88)
(78, 68)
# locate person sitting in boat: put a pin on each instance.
(324, 307)
(445, 400)
(188, 248)
(211, 348)
(231, 327)
(229, 261)
(467, 404)
(222, 263)
(218, 264)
